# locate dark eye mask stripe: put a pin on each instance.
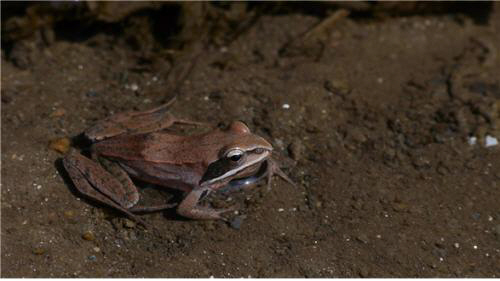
(217, 169)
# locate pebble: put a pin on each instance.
(357, 135)
(363, 272)
(337, 87)
(296, 150)
(400, 207)
(490, 141)
(472, 140)
(88, 235)
(69, 214)
(129, 223)
(58, 113)
(362, 238)
(97, 249)
(389, 153)
(442, 170)
(60, 145)
(91, 94)
(419, 162)
(209, 225)
(237, 221)
(39, 251)
(497, 230)
(134, 87)
(476, 216)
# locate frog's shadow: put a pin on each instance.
(81, 143)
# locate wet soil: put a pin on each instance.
(374, 114)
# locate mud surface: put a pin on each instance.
(374, 113)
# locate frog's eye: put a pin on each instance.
(235, 155)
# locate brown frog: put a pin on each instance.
(135, 144)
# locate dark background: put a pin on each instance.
(382, 98)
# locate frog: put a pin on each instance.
(137, 145)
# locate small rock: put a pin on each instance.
(400, 207)
(440, 244)
(70, 217)
(39, 251)
(362, 238)
(490, 141)
(58, 113)
(389, 153)
(237, 221)
(363, 272)
(88, 235)
(209, 225)
(296, 149)
(472, 140)
(357, 135)
(442, 170)
(48, 35)
(60, 145)
(97, 249)
(476, 216)
(337, 87)
(132, 235)
(134, 87)
(91, 94)
(497, 230)
(420, 162)
(129, 223)
(69, 214)
(6, 96)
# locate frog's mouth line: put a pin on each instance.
(233, 172)
(241, 183)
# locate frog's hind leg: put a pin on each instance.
(150, 209)
(136, 122)
(128, 192)
(94, 182)
(131, 193)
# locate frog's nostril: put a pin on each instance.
(258, 150)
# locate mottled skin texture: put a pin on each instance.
(133, 144)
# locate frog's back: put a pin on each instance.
(160, 147)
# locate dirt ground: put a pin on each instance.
(374, 109)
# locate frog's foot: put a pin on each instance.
(97, 184)
(272, 169)
(189, 207)
(152, 120)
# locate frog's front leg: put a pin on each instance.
(189, 206)
(136, 122)
(95, 182)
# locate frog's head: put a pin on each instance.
(243, 152)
